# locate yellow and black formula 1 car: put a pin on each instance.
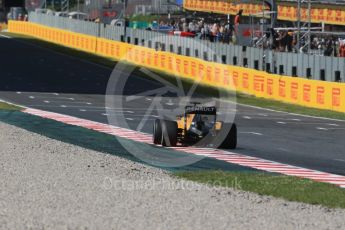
(198, 126)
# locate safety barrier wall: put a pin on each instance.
(71, 39)
(290, 64)
(327, 14)
(311, 93)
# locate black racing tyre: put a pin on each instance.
(157, 132)
(169, 133)
(230, 141)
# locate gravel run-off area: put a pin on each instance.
(47, 184)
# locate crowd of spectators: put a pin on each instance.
(284, 40)
(213, 32)
(221, 31)
(328, 46)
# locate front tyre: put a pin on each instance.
(157, 132)
(169, 133)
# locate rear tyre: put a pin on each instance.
(169, 133)
(230, 141)
(157, 132)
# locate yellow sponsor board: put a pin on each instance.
(299, 91)
(334, 16)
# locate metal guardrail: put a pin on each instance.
(289, 64)
(77, 26)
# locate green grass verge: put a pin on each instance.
(5, 106)
(286, 187)
(240, 98)
(289, 108)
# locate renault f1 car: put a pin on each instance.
(197, 127)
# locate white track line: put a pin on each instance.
(253, 133)
(4, 36)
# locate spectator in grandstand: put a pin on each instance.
(238, 16)
(205, 32)
(281, 41)
(237, 22)
(214, 32)
(342, 49)
(290, 41)
(275, 38)
(336, 47)
(227, 35)
(184, 25)
(329, 47)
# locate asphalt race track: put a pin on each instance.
(42, 79)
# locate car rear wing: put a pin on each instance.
(201, 110)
